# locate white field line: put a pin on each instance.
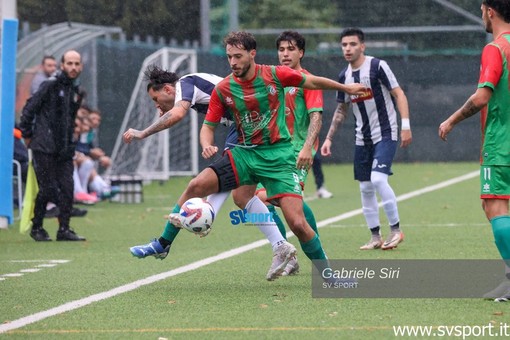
(15, 324)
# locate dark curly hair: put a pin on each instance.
(243, 40)
(157, 77)
(292, 37)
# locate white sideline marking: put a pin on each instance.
(45, 264)
(403, 197)
(15, 324)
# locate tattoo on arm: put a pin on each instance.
(338, 119)
(469, 109)
(185, 105)
(167, 120)
(314, 128)
(160, 124)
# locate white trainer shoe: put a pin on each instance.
(324, 193)
(374, 243)
(292, 268)
(281, 257)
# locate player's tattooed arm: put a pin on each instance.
(338, 118)
(169, 118)
(314, 128)
(469, 108)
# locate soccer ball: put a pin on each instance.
(197, 215)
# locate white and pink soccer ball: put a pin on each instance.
(197, 215)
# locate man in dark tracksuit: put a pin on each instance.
(47, 125)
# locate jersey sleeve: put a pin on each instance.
(491, 67)
(313, 100)
(185, 90)
(215, 110)
(386, 76)
(290, 77)
(342, 97)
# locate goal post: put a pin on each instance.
(171, 152)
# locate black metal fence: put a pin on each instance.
(435, 87)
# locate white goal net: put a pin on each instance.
(172, 152)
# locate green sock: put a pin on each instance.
(501, 230)
(313, 249)
(310, 218)
(171, 231)
(278, 221)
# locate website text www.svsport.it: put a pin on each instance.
(460, 331)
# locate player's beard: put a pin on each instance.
(488, 27)
(243, 72)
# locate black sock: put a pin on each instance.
(164, 242)
(375, 231)
(395, 227)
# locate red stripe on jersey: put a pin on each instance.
(269, 79)
(289, 117)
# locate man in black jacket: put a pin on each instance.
(47, 125)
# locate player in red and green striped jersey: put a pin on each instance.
(254, 95)
(303, 113)
(493, 98)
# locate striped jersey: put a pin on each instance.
(196, 88)
(299, 104)
(375, 112)
(257, 105)
(495, 117)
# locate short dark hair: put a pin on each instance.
(46, 57)
(243, 40)
(500, 6)
(353, 31)
(157, 77)
(291, 36)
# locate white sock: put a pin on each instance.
(369, 204)
(217, 200)
(84, 172)
(77, 183)
(98, 185)
(388, 198)
(269, 229)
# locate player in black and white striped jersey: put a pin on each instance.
(376, 133)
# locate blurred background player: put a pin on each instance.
(376, 133)
(318, 176)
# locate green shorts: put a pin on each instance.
(301, 173)
(271, 165)
(495, 181)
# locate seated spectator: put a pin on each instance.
(89, 185)
(88, 142)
